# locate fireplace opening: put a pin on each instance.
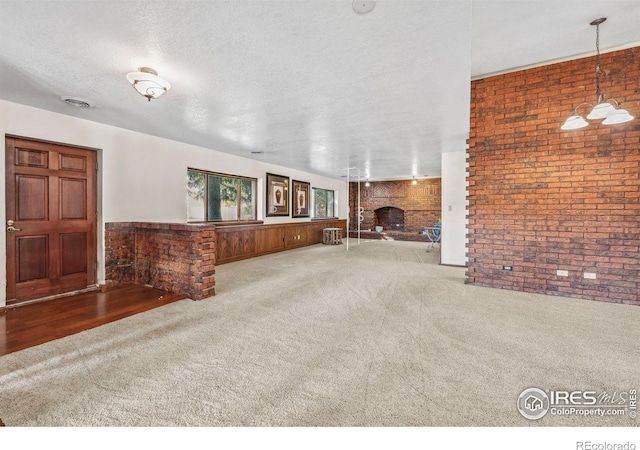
(389, 218)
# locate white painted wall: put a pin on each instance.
(454, 208)
(141, 177)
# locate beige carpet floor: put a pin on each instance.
(380, 335)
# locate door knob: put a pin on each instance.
(10, 227)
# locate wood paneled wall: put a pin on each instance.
(246, 241)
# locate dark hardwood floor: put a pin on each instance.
(29, 325)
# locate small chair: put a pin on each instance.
(434, 234)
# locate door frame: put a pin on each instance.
(99, 226)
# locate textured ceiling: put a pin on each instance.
(311, 84)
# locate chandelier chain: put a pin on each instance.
(598, 70)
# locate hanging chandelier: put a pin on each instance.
(607, 109)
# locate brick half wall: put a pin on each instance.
(177, 258)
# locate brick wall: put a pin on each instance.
(175, 257)
(542, 200)
(120, 242)
(420, 202)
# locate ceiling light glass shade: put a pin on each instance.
(148, 84)
(574, 123)
(600, 111)
(617, 116)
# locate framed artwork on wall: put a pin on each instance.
(300, 198)
(277, 195)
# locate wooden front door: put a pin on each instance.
(51, 201)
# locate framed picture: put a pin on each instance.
(300, 198)
(277, 195)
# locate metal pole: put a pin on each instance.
(349, 209)
(359, 211)
(348, 169)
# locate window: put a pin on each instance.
(215, 197)
(322, 203)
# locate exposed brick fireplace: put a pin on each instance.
(416, 205)
(389, 218)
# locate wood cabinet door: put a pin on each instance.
(51, 200)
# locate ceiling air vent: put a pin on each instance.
(77, 102)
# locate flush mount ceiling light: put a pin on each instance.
(607, 109)
(147, 82)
